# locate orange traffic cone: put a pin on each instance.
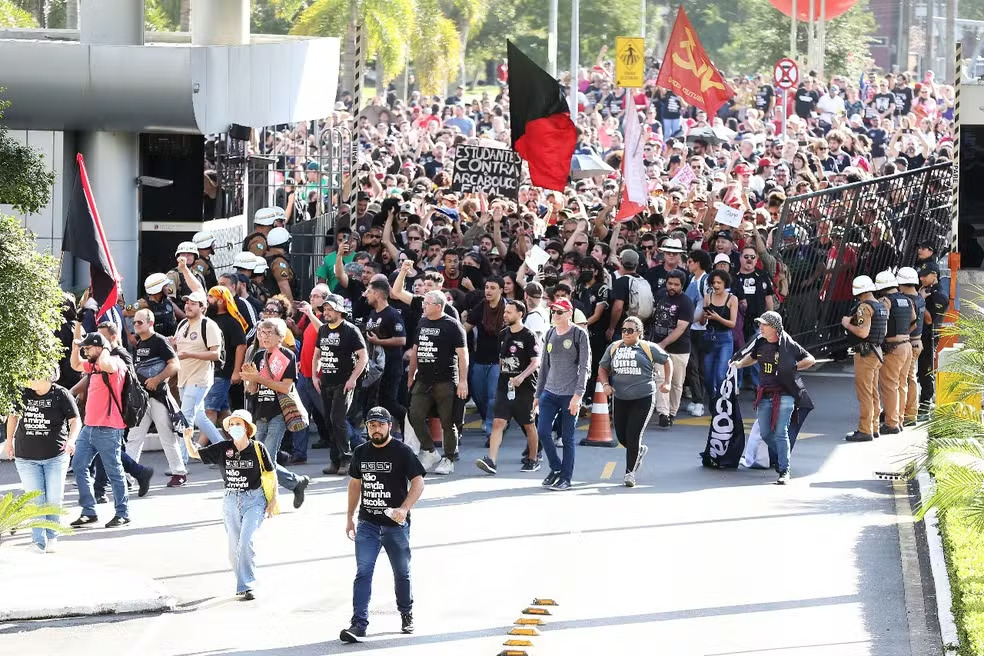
(437, 433)
(600, 430)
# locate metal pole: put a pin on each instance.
(792, 34)
(822, 38)
(951, 36)
(810, 38)
(575, 54)
(642, 30)
(955, 172)
(785, 110)
(552, 40)
(930, 35)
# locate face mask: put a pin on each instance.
(468, 268)
(237, 432)
(586, 276)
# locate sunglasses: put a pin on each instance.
(580, 243)
(750, 258)
(628, 331)
(139, 323)
(274, 310)
(558, 311)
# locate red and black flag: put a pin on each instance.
(84, 238)
(542, 130)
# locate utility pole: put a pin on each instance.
(575, 54)
(792, 35)
(951, 39)
(642, 29)
(930, 35)
(552, 40)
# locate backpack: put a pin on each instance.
(641, 302)
(375, 365)
(204, 328)
(642, 343)
(134, 398)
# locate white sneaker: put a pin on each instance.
(51, 546)
(428, 459)
(697, 409)
(36, 548)
(444, 467)
(629, 480)
(643, 450)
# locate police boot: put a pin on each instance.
(858, 436)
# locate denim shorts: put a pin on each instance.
(217, 398)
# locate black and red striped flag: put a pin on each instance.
(84, 238)
(542, 130)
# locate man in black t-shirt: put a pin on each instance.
(340, 357)
(519, 360)
(385, 329)
(223, 310)
(806, 99)
(756, 298)
(438, 374)
(386, 480)
(483, 372)
(156, 363)
(674, 313)
(764, 98)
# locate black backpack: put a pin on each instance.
(134, 402)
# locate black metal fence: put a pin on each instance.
(828, 237)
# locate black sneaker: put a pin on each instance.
(331, 469)
(486, 465)
(249, 595)
(664, 421)
(352, 634)
(670, 421)
(783, 478)
(858, 436)
(299, 491)
(561, 486)
(530, 465)
(551, 478)
(885, 429)
(101, 498)
(908, 423)
(406, 622)
(143, 481)
(117, 521)
(84, 520)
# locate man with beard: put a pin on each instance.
(671, 331)
(388, 480)
(519, 359)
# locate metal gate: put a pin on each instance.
(828, 237)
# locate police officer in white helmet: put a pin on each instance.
(280, 276)
(265, 220)
(205, 242)
(897, 350)
(866, 327)
(184, 279)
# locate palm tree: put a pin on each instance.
(23, 513)
(954, 453)
(468, 16)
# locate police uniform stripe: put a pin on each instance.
(955, 173)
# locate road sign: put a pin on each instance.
(630, 61)
(786, 74)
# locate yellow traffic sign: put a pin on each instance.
(630, 61)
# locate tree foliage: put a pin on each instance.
(12, 15)
(24, 512)
(25, 181)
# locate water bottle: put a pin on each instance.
(389, 513)
(511, 392)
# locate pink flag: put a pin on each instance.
(635, 186)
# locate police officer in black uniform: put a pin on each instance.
(909, 285)
(203, 265)
(866, 328)
(932, 320)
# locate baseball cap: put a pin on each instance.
(928, 243)
(379, 413)
(629, 256)
(335, 302)
(765, 161)
(771, 318)
(562, 304)
(743, 169)
(929, 267)
(313, 166)
(724, 234)
(721, 257)
(196, 297)
(93, 339)
(155, 282)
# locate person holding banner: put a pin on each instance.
(780, 385)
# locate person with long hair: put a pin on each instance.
(718, 314)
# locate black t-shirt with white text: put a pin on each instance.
(763, 96)
(516, 351)
(43, 427)
(339, 347)
(668, 311)
(806, 102)
(240, 469)
(437, 344)
(385, 472)
(267, 406)
(755, 287)
(387, 323)
(151, 356)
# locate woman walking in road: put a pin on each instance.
(41, 438)
(242, 461)
(718, 315)
(628, 373)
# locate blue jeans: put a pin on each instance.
(720, 346)
(217, 398)
(242, 514)
(395, 540)
(482, 382)
(48, 478)
(271, 433)
(777, 440)
(107, 444)
(193, 408)
(670, 127)
(552, 405)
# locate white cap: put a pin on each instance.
(861, 285)
(244, 260)
(186, 247)
(203, 239)
(265, 216)
(155, 282)
(260, 265)
(885, 280)
(722, 257)
(278, 237)
(908, 276)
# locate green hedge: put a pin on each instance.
(964, 549)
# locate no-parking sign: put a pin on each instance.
(786, 73)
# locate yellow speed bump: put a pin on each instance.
(529, 621)
(524, 632)
(512, 652)
(536, 611)
(518, 643)
(545, 602)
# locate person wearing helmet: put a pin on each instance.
(909, 286)
(166, 311)
(866, 327)
(258, 279)
(203, 264)
(246, 264)
(184, 279)
(897, 350)
(280, 277)
(265, 220)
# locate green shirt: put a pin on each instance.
(327, 269)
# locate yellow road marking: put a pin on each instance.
(607, 472)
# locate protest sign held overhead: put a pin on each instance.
(493, 171)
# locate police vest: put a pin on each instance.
(919, 303)
(879, 325)
(900, 316)
(165, 321)
(204, 267)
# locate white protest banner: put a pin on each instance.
(536, 257)
(728, 215)
(684, 176)
(487, 170)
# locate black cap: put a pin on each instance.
(928, 243)
(724, 234)
(379, 413)
(94, 339)
(929, 267)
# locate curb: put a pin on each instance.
(937, 562)
(161, 603)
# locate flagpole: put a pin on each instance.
(575, 54)
(552, 40)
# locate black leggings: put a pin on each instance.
(631, 418)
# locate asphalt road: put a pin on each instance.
(690, 562)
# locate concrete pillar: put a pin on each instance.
(111, 22)
(112, 161)
(219, 22)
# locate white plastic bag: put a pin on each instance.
(756, 455)
(410, 439)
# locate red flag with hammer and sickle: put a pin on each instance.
(688, 72)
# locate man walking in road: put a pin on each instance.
(564, 370)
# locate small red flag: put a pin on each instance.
(688, 72)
